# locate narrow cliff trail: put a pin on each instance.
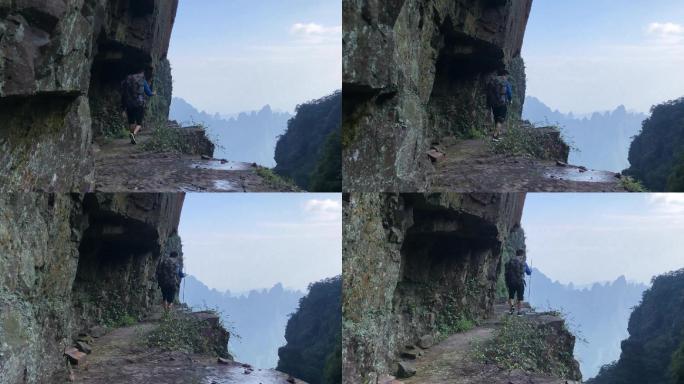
(123, 167)
(453, 362)
(121, 357)
(473, 166)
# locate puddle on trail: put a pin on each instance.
(574, 174)
(226, 186)
(217, 165)
(232, 375)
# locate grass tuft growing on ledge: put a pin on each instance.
(179, 332)
(165, 139)
(517, 141)
(520, 344)
(276, 181)
(632, 185)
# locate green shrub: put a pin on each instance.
(521, 344)
(114, 313)
(453, 318)
(517, 141)
(165, 139)
(276, 181)
(675, 182)
(632, 185)
(180, 332)
(677, 365)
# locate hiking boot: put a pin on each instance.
(512, 310)
(132, 136)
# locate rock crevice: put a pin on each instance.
(63, 61)
(415, 263)
(70, 262)
(415, 72)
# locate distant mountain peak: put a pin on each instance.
(601, 138)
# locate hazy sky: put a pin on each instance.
(585, 238)
(593, 55)
(231, 56)
(252, 241)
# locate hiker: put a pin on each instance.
(499, 95)
(516, 268)
(169, 275)
(134, 91)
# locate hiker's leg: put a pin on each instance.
(137, 129)
(131, 128)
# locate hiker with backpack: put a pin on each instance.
(134, 93)
(516, 269)
(170, 272)
(499, 96)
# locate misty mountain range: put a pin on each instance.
(259, 318)
(602, 139)
(598, 315)
(250, 136)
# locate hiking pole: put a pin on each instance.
(529, 291)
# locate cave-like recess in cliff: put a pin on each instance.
(114, 60)
(448, 262)
(116, 266)
(462, 66)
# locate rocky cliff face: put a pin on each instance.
(62, 63)
(656, 155)
(654, 351)
(69, 262)
(413, 264)
(414, 72)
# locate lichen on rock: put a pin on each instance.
(59, 83)
(410, 262)
(71, 262)
(415, 72)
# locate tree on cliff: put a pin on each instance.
(657, 153)
(654, 351)
(309, 152)
(313, 351)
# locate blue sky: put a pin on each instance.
(586, 238)
(593, 55)
(230, 56)
(240, 242)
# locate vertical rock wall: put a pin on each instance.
(70, 261)
(413, 261)
(61, 62)
(415, 72)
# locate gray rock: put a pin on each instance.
(55, 93)
(396, 89)
(405, 369)
(98, 331)
(426, 341)
(84, 347)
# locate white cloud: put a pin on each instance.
(652, 65)
(665, 29)
(259, 74)
(314, 29)
(315, 34)
(327, 210)
(667, 202)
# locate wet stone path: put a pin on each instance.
(472, 166)
(121, 357)
(123, 167)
